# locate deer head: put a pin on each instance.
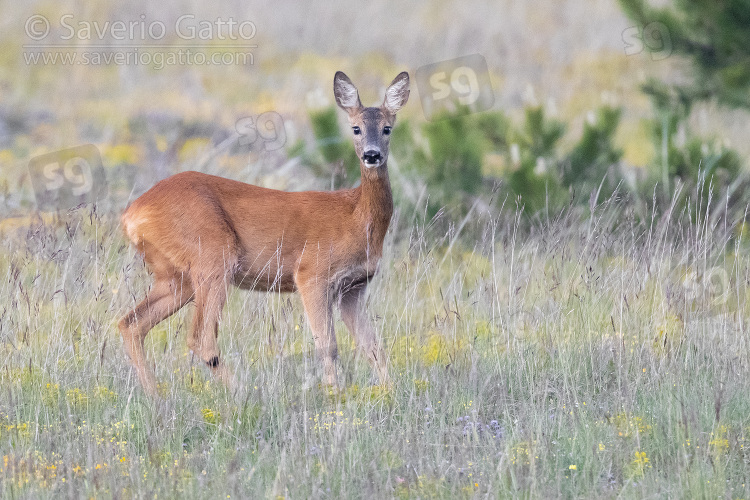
(371, 126)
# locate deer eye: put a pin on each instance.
(387, 131)
(356, 130)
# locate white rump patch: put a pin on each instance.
(132, 223)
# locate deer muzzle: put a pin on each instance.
(372, 158)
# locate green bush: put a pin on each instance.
(589, 165)
(336, 150)
(682, 156)
(535, 180)
(456, 151)
(450, 159)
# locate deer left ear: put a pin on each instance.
(397, 93)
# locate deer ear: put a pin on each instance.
(346, 93)
(397, 93)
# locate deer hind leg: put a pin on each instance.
(167, 296)
(316, 298)
(356, 320)
(210, 297)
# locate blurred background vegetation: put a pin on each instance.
(592, 99)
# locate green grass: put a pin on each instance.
(603, 358)
(594, 358)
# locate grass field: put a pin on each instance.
(600, 352)
(604, 356)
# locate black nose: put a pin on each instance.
(371, 156)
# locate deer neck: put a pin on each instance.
(375, 202)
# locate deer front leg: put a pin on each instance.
(316, 297)
(356, 320)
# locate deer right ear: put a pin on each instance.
(397, 93)
(346, 93)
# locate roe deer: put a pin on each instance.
(198, 233)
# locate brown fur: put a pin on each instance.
(199, 233)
